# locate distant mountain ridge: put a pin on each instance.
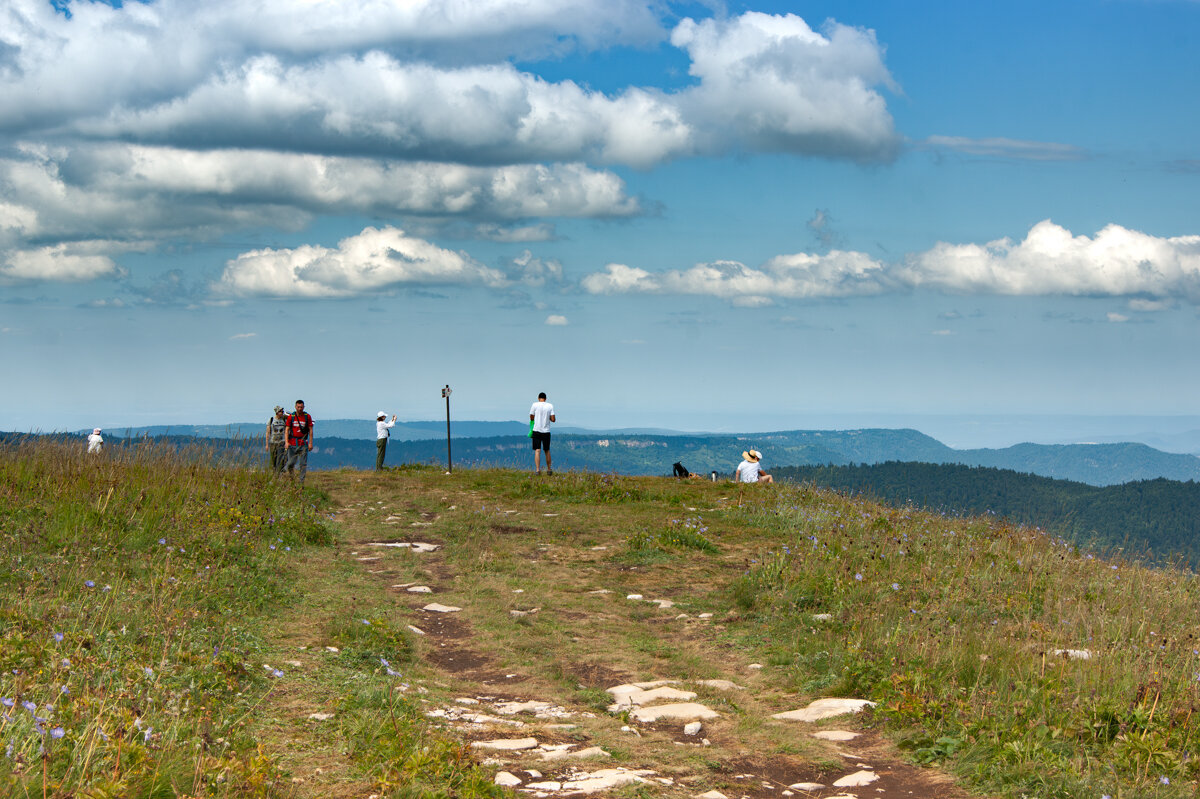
(505, 444)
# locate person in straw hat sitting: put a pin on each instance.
(750, 470)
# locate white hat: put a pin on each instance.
(381, 414)
(752, 455)
(96, 432)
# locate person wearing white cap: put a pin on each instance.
(750, 470)
(95, 442)
(382, 433)
(276, 440)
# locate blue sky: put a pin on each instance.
(736, 216)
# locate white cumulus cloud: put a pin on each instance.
(410, 80)
(836, 274)
(556, 320)
(59, 263)
(781, 86)
(373, 260)
(1153, 272)
(1116, 261)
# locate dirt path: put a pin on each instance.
(547, 623)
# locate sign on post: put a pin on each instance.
(449, 463)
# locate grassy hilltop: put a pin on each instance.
(173, 627)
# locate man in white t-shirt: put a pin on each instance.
(383, 431)
(541, 414)
(750, 470)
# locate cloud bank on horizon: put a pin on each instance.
(129, 129)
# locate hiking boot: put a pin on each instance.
(549, 471)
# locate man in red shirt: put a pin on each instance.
(299, 440)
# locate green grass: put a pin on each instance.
(139, 590)
(142, 592)
(951, 625)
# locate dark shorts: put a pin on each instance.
(541, 441)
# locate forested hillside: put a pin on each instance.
(1161, 517)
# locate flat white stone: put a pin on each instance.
(513, 708)
(549, 785)
(598, 549)
(634, 596)
(665, 692)
(755, 666)
(835, 735)
(1073, 654)
(720, 685)
(419, 589)
(711, 795)
(507, 780)
(591, 751)
(466, 700)
(506, 744)
(368, 558)
(822, 617)
(421, 524)
(692, 728)
(416, 630)
(684, 711)
(824, 708)
(639, 698)
(518, 590)
(663, 604)
(332, 649)
(806, 786)
(402, 585)
(856, 780)
(600, 591)
(533, 775)
(605, 779)
(320, 716)
(704, 616)
(415, 546)
(434, 607)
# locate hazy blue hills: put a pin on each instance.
(1095, 464)
(343, 442)
(337, 428)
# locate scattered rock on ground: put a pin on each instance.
(856, 780)
(435, 607)
(835, 735)
(507, 744)
(720, 685)
(824, 708)
(684, 711)
(503, 778)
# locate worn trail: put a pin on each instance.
(571, 670)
